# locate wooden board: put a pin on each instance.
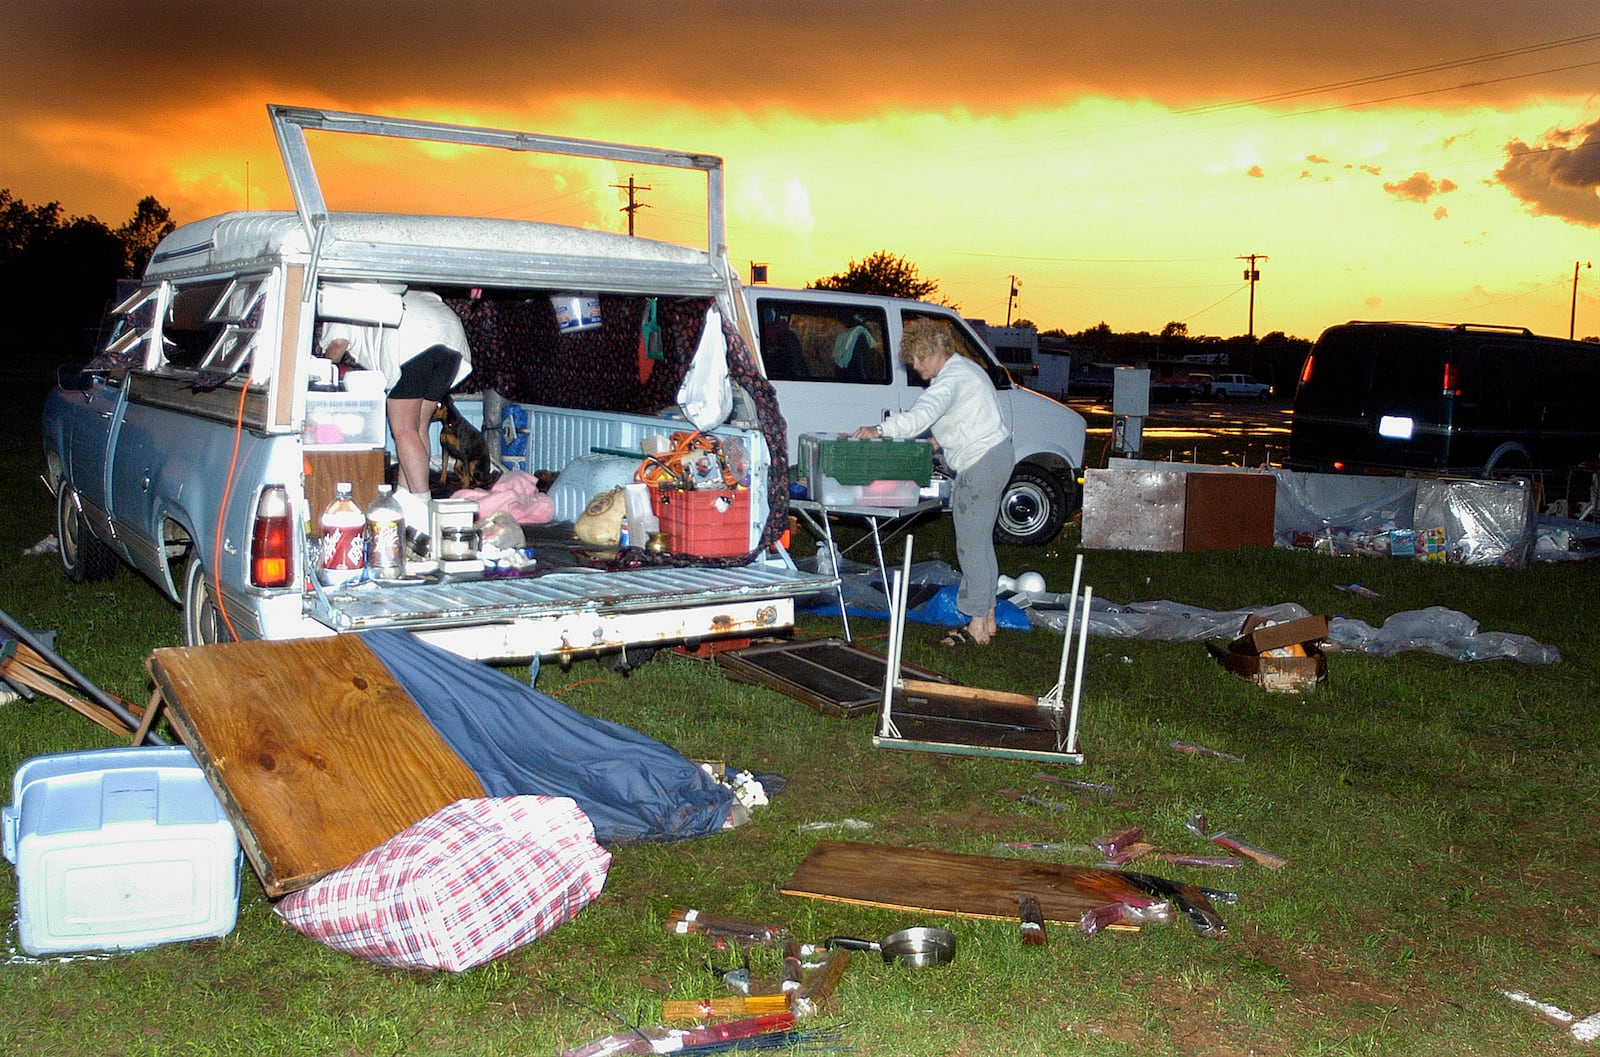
(315, 751)
(935, 882)
(832, 676)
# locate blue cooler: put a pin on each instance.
(118, 849)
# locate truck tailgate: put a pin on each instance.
(456, 603)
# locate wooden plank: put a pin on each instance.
(316, 752)
(935, 882)
(976, 694)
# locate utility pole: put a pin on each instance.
(1011, 299)
(633, 205)
(1572, 323)
(1252, 276)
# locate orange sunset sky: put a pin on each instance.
(1417, 160)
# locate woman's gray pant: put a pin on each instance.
(974, 506)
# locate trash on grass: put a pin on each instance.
(718, 925)
(1200, 750)
(1075, 783)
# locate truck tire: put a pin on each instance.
(202, 621)
(1033, 508)
(84, 556)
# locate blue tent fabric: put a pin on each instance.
(519, 740)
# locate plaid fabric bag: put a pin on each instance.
(472, 881)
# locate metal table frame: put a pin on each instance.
(815, 517)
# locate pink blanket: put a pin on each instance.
(517, 493)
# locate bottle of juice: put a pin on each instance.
(344, 551)
(386, 530)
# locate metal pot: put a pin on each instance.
(918, 947)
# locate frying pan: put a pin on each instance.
(918, 947)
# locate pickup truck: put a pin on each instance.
(1237, 387)
(202, 442)
(799, 334)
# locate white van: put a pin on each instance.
(834, 359)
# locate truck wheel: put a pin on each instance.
(84, 556)
(1033, 508)
(202, 622)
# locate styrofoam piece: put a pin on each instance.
(118, 849)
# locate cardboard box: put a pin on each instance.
(118, 849)
(1260, 654)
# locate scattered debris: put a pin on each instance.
(1356, 589)
(1249, 851)
(1224, 861)
(1036, 801)
(1075, 783)
(1201, 750)
(1033, 934)
(1585, 1030)
(48, 545)
(717, 925)
(853, 824)
(1042, 846)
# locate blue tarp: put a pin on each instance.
(519, 740)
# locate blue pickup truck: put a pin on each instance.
(201, 443)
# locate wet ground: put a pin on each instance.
(1236, 432)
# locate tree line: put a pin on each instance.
(58, 274)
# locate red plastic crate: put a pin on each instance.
(705, 522)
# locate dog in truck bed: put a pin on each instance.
(464, 454)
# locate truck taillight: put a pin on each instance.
(271, 539)
(1449, 380)
(1305, 370)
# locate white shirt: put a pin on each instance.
(425, 322)
(961, 409)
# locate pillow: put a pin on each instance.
(472, 881)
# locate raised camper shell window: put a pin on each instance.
(214, 326)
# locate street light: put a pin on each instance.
(1572, 321)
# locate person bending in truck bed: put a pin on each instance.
(961, 410)
(421, 362)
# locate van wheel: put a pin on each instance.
(202, 621)
(1033, 508)
(83, 555)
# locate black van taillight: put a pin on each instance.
(271, 539)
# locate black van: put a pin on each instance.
(1462, 398)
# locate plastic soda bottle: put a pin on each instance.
(344, 551)
(386, 530)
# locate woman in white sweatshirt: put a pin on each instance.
(960, 409)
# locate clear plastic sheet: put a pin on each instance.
(1435, 629)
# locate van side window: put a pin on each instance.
(814, 341)
(966, 345)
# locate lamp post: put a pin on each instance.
(1572, 321)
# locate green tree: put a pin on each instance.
(880, 273)
(151, 222)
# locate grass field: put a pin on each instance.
(1438, 819)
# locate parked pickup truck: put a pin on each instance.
(1237, 387)
(820, 390)
(199, 448)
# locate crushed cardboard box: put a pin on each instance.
(1284, 657)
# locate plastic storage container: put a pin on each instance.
(705, 522)
(118, 849)
(841, 471)
(344, 421)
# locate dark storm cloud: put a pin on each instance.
(1559, 176)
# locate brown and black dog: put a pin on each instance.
(464, 461)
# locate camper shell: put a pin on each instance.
(183, 449)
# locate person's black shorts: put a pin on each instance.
(427, 375)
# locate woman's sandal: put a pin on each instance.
(959, 637)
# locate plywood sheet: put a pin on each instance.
(316, 752)
(1228, 511)
(935, 882)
